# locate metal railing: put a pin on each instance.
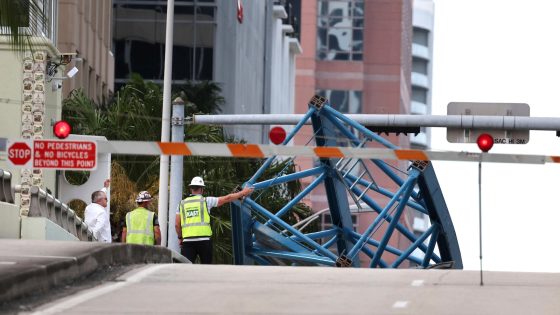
(7, 193)
(47, 206)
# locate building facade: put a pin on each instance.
(34, 83)
(30, 98)
(84, 28)
(250, 53)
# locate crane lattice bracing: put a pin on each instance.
(262, 236)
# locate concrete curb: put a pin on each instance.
(24, 272)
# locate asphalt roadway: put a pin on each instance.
(30, 267)
(222, 289)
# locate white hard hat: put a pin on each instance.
(197, 181)
(143, 196)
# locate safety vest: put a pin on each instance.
(195, 219)
(140, 227)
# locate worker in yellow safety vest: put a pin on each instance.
(142, 226)
(192, 220)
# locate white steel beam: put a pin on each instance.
(386, 120)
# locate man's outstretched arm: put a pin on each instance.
(234, 196)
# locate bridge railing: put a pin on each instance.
(7, 193)
(47, 206)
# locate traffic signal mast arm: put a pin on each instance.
(386, 120)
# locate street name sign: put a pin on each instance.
(458, 135)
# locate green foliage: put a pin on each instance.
(205, 95)
(134, 112)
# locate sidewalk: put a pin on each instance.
(32, 266)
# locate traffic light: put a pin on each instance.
(62, 129)
(485, 142)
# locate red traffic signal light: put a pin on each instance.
(485, 142)
(277, 135)
(62, 129)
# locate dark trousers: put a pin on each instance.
(202, 249)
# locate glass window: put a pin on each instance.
(420, 65)
(139, 39)
(344, 101)
(347, 102)
(38, 27)
(420, 36)
(340, 28)
(419, 94)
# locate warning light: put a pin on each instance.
(62, 129)
(485, 142)
(277, 135)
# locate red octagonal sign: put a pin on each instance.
(19, 153)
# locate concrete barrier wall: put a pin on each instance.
(9, 220)
(44, 229)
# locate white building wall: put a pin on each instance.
(239, 62)
(423, 18)
(282, 96)
(423, 14)
(255, 64)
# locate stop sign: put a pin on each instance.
(19, 153)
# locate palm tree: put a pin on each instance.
(20, 20)
(205, 94)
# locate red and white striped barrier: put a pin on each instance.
(264, 151)
(260, 151)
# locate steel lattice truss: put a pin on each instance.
(263, 237)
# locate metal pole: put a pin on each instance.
(165, 123)
(449, 121)
(480, 214)
(176, 182)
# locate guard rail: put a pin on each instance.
(47, 206)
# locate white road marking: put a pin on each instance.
(95, 292)
(400, 304)
(417, 283)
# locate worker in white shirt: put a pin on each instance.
(97, 214)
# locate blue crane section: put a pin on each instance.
(392, 192)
